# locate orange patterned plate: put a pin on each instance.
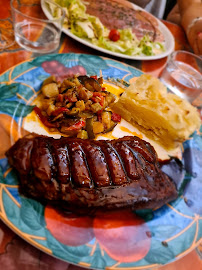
(115, 240)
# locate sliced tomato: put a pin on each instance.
(114, 35)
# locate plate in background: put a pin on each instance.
(169, 40)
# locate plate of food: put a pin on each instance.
(92, 168)
(118, 28)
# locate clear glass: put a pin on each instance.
(183, 75)
(37, 33)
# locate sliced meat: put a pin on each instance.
(61, 157)
(114, 162)
(120, 15)
(79, 166)
(42, 160)
(97, 163)
(88, 174)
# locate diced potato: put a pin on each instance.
(84, 94)
(81, 105)
(98, 127)
(82, 134)
(110, 98)
(50, 90)
(62, 89)
(106, 119)
(50, 109)
(88, 104)
(77, 82)
(46, 103)
(68, 83)
(49, 80)
(95, 107)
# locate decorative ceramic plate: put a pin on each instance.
(169, 43)
(119, 240)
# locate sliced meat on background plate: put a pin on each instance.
(121, 14)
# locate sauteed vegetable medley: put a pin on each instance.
(77, 107)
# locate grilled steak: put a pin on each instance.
(91, 174)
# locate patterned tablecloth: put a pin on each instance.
(15, 253)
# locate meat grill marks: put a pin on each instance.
(88, 173)
(84, 163)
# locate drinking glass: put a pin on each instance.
(33, 30)
(183, 75)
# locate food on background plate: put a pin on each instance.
(77, 107)
(160, 115)
(112, 25)
(89, 174)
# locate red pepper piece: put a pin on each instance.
(116, 117)
(100, 100)
(60, 98)
(97, 94)
(60, 110)
(44, 119)
(94, 77)
(94, 99)
(76, 126)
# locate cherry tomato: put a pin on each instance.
(114, 35)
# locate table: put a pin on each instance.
(15, 253)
